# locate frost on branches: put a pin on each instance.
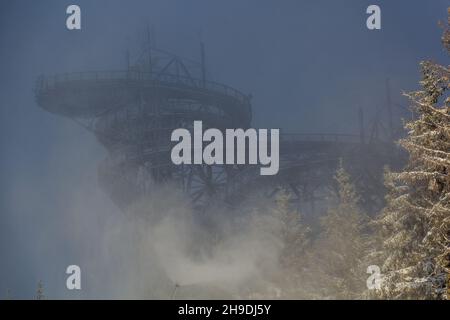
(416, 222)
(338, 254)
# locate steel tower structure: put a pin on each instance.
(133, 112)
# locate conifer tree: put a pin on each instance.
(292, 233)
(340, 251)
(40, 291)
(293, 236)
(416, 221)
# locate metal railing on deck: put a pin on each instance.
(48, 82)
(326, 137)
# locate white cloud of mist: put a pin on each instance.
(142, 253)
(172, 247)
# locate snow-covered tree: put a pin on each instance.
(416, 222)
(291, 231)
(341, 250)
(293, 235)
(40, 291)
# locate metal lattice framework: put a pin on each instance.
(133, 112)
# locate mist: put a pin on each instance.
(308, 65)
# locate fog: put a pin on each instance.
(308, 65)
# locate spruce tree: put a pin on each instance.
(293, 236)
(339, 253)
(8, 294)
(40, 291)
(292, 233)
(416, 221)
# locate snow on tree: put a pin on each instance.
(292, 233)
(416, 221)
(40, 291)
(281, 226)
(339, 254)
(293, 236)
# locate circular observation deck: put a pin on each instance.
(92, 94)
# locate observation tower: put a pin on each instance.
(132, 113)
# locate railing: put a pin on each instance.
(48, 82)
(326, 137)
